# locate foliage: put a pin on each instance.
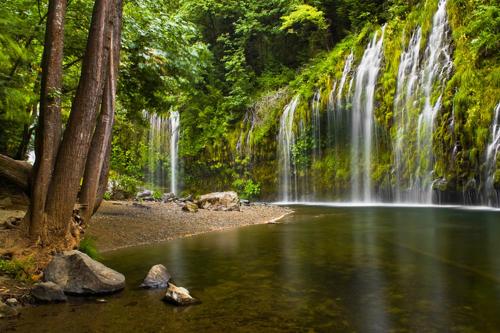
(302, 16)
(247, 189)
(18, 269)
(87, 246)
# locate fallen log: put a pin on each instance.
(16, 172)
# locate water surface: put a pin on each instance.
(324, 269)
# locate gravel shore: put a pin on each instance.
(124, 224)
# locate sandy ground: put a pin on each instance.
(124, 224)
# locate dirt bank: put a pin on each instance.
(124, 224)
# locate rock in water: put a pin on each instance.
(48, 292)
(77, 273)
(179, 296)
(7, 311)
(157, 277)
(190, 207)
(220, 201)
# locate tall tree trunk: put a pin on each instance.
(99, 153)
(49, 121)
(72, 155)
(104, 177)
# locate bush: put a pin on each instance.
(87, 246)
(247, 189)
(18, 269)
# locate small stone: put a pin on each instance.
(12, 302)
(179, 296)
(101, 301)
(7, 311)
(190, 207)
(157, 277)
(48, 292)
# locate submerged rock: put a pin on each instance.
(226, 201)
(190, 207)
(48, 292)
(7, 311)
(157, 277)
(77, 273)
(179, 296)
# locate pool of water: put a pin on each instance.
(324, 269)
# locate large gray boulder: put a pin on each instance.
(226, 201)
(48, 292)
(157, 277)
(77, 273)
(179, 296)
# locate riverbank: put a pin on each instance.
(120, 224)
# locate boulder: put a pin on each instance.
(144, 194)
(77, 273)
(7, 311)
(48, 292)
(179, 296)
(157, 277)
(190, 207)
(167, 197)
(225, 201)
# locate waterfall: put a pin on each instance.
(363, 119)
(286, 140)
(415, 110)
(158, 140)
(436, 69)
(316, 124)
(343, 79)
(408, 74)
(163, 140)
(492, 197)
(174, 151)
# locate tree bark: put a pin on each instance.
(72, 155)
(104, 177)
(16, 172)
(49, 121)
(99, 153)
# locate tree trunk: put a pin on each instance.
(72, 155)
(49, 121)
(104, 177)
(16, 172)
(99, 153)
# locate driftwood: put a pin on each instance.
(16, 172)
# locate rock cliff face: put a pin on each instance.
(402, 112)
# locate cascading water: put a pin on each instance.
(286, 140)
(316, 124)
(492, 196)
(363, 120)
(158, 140)
(415, 110)
(174, 151)
(435, 72)
(407, 81)
(163, 140)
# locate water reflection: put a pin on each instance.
(325, 269)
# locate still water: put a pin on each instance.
(324, 269)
